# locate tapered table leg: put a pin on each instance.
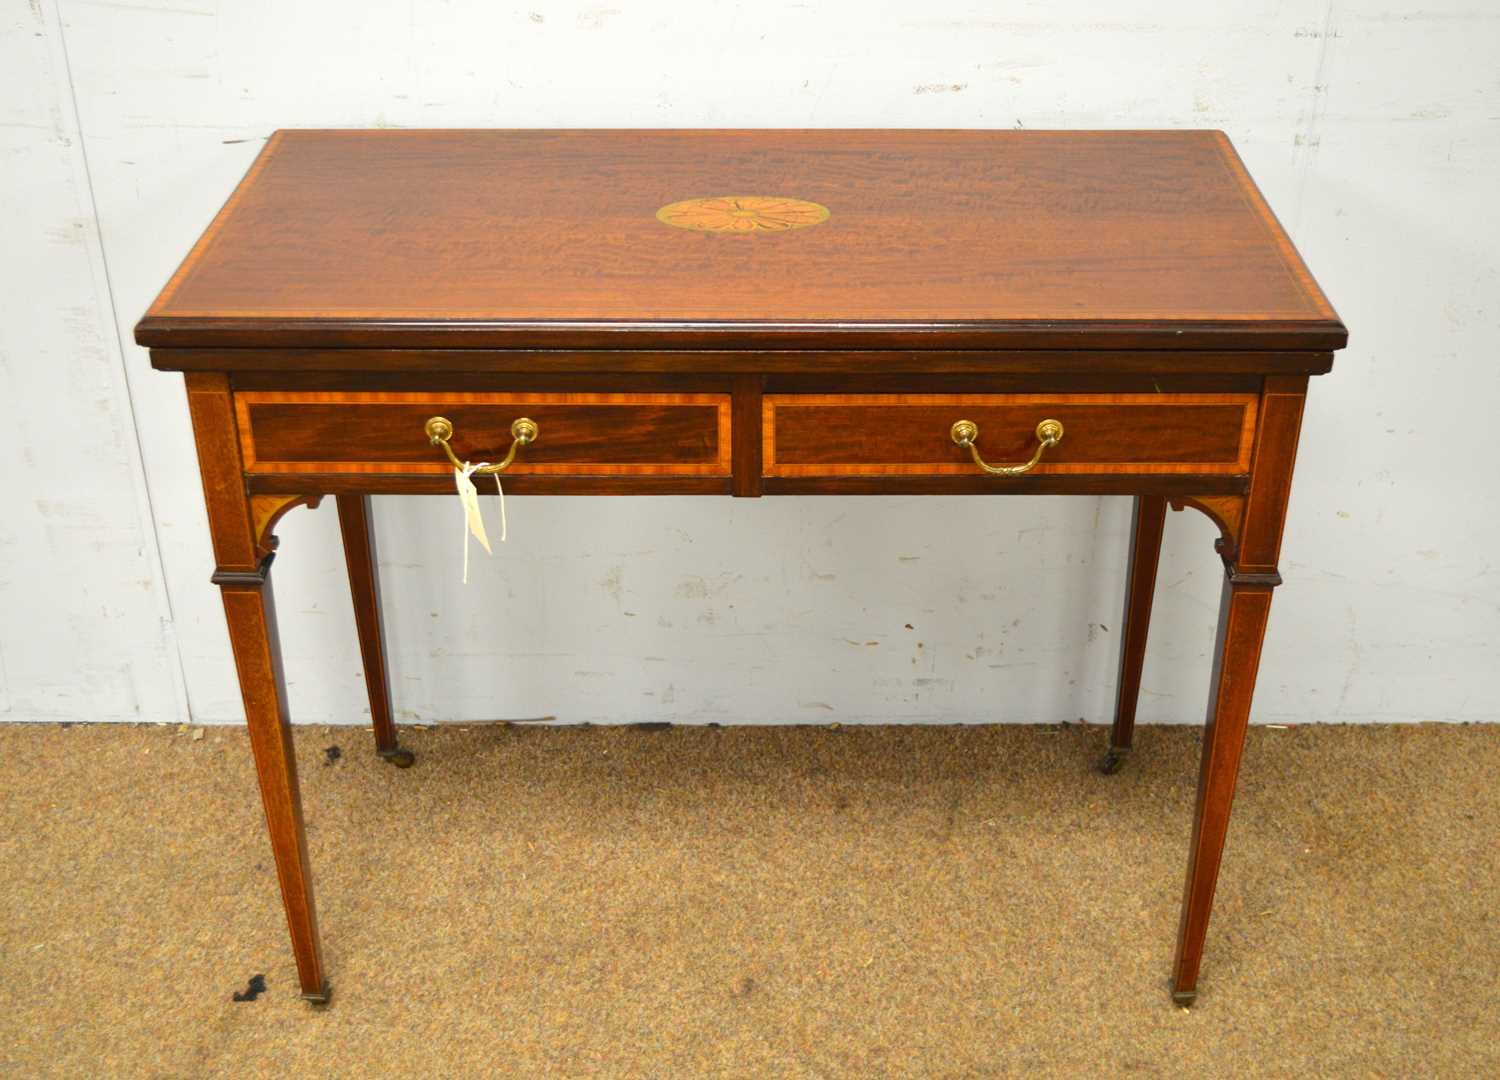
(364, 586)
(1147, 525)
(251, 615)
(242, 555)
(1242, 626)
(1251, 553)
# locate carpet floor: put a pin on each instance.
(750, 902)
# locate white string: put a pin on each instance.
(468, 471)
(501, 490)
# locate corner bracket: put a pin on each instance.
(1227, 512)
(267, 510)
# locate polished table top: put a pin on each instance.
(914, 239)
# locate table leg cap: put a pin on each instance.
(1113, 760)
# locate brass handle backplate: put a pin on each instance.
(1048, 433)
(439, 430)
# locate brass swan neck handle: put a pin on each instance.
(1048, 433)
(523, 431)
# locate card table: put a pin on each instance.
(747, 314)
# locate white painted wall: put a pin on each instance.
(1373, 129)
(85, 631)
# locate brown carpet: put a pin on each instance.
(756, 902)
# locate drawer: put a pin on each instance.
(578, 434)
(911, 434)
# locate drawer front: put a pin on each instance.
(578, 434)
(909, 434)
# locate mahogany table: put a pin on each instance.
(746, 313)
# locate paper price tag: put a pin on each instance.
(468, 498)
(468, 495)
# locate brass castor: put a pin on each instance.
(400, 757)
(1184, 998)
(321, 998)
(1114, 759)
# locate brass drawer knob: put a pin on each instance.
(439, 430)
(1048, 433)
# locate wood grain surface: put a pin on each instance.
(579, 433)
(967, 238)
(908, 434)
